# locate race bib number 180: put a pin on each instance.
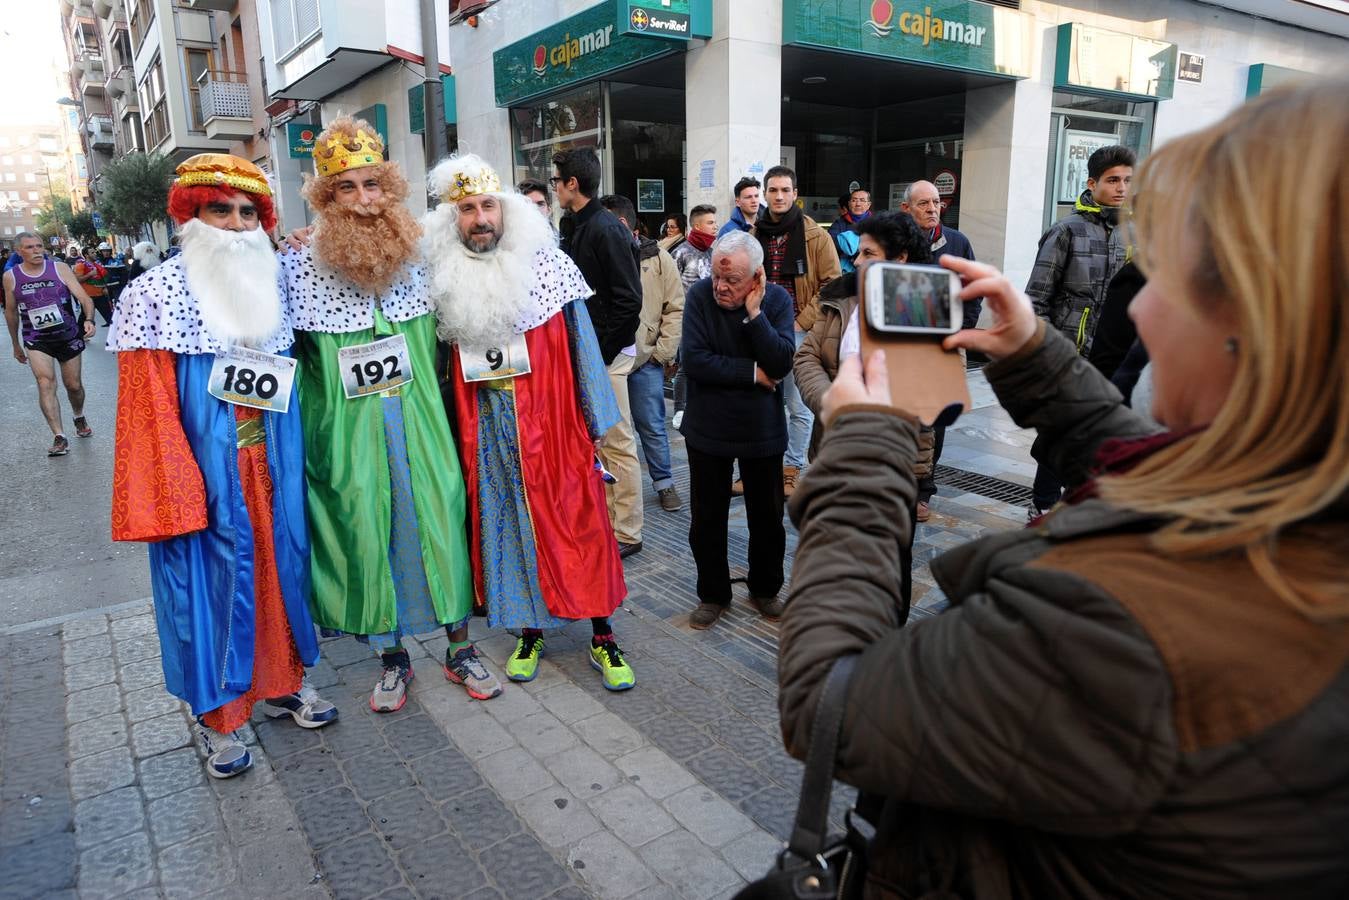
(491, 363)
(253, 378)
(374, 367)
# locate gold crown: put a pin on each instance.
(336, 156)
(222, 169)
(464, 185)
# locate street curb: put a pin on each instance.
(71, 617)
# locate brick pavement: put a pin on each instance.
(557, 789)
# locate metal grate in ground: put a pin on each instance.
(983, 485)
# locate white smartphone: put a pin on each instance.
(912, 299)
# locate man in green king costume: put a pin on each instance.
(386, 497)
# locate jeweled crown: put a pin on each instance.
(463, 184)
(338, 155)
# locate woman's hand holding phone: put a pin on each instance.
(1014, 320)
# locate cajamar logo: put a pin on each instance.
(540, 59)
(571, 49)
(923, 25)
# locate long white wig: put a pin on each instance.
(147, 254)
(480, 298)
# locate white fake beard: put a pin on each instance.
(233, 276)
(480, 297)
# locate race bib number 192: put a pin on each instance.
(375, 367)
(253, 378)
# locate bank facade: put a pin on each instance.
(998, 104)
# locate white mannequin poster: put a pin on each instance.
(1076, 148)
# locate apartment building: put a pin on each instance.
(32, 165)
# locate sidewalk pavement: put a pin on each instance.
(557, 788)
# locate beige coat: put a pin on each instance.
(662, 319)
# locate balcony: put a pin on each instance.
(226, 110)
(120, 82)
(100, 132)
(217, 5)
(103, 8)
(93, 79)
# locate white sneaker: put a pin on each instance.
(677, 420)
(305, 706)
(226, 755)
(391, 692)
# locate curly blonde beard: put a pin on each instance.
(369, 243)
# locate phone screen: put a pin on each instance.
(915, 298)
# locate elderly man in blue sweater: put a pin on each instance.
(737, 347)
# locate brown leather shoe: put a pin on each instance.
(771, 608)
(924, 512)
(706, 615)
(789, 476)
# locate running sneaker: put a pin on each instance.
(466, 669)
(305, 706)
(226, 755)
(82, 428)
(391, 692)
(60, 446)
(607, 659)
(524, 662)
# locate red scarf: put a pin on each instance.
(701, 240)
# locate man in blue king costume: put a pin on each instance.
(532, 400)
(209, 464)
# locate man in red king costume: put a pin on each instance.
(209, 464)
(532, 398)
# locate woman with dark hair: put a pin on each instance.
(673, 232)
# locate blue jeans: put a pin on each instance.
(799, 418)
(646, 396)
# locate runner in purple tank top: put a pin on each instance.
(41, 293)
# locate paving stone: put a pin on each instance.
(609, 735)
(477, 734)
(608, 867)
(680, 859)
(556, 817)
(743, 737)
(283, 737)
(532, 870)
(571, 704)
(348, 737)
(108, 816)
(345, 652)
(753, 854)
(441, 867)
(90, 674)
(783, 769)
(628, 812)
(151, 702)
(116, 867)
(542, 734)
(571, 892)
(677, 736)
(415, 736)
(513, 704)
(100, 773)
(722, 770)
(429, 675)
(655, 772)
(402, 892)
(142, 673)
(405, 817)
(50, 873)
(485, 893)
(278, 863)
(375, 774)
(133, 625)
(36, 737)
(185, 867)
(96, 735)
(257, 813)
(445, 773)
(144, 646)
(85, 649)
(331, 816)
(322, 675)
(182, 815)
(514, 773)
(310, 772)
(657, 891)
(83, 628)
(697, 705)
(711, 819)
(43, 814)
(160, 735)
(582, 771)
(479, 818)
(774, 809)
(92, 703)
(637, 706)
(358, 868)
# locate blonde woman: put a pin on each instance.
(1145, 693)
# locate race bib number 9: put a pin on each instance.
(374, 367)
(491, 363)
(253, 378)
(45, 317)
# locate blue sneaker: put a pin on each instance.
(226, 755)
(305, 706)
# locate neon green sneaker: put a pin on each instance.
(524, 662)
(607, 659)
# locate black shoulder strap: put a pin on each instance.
(812, 814)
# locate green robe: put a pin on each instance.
(347, 468)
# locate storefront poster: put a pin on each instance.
(945, 183)
(1074, 151)
(897, 189)
(707, 174)
(956, 34)
(650, 195)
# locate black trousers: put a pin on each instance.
(710, 505)
(1047, 489)
(927, 485)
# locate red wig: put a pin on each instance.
(186, 201)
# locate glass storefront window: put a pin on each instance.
(574, 119)
(1079, 124)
